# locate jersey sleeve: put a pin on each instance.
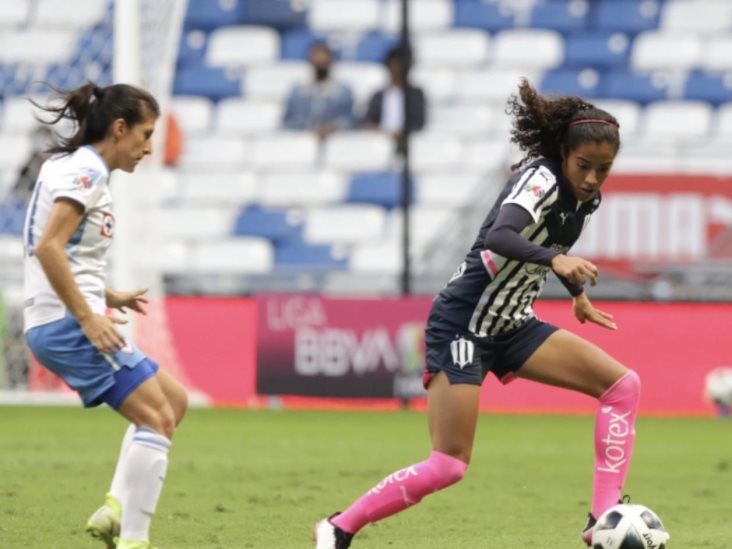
(532, 190)
(79, 184)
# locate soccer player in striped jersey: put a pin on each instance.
(69, 227)
(483, 320)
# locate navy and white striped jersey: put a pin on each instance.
(490, 294)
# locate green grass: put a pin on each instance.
(241, 479)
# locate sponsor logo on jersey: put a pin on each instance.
(536, 190)
(83, 181)
(107, 228)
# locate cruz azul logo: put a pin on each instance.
(107, 227)
(616, 441)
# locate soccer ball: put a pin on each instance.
(629, 526)
(718, 386)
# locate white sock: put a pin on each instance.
(143, 475)
(116, 488)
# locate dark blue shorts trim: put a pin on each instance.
(467, 359)
(126, 381)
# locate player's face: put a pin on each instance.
(135, 143)
(587, 166)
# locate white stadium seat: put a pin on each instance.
(243, 255)
(435, 152)
(193, 113)
(677, 120)
(486, 156)
(195, 223)
(283, 151)
(703, 16)
(302, 188)
(492, 85)
(219, 154)
(458, 48)
(358, 151)
(438, 84)
(274, 82)
(242, 46)
(345, 224)
(212, 189)
(15, 13)
(654, 50)
(37, 47)
(462, 120)
(383, 257)
(332, 16)
(428, 15)
(723, 124)
(68, 14)
(363, 78)
(716, 55)
(235, 116)
(627, 113)
(14, 151)
(447, 189)
(19, 114)
(426, 223)
(528, 49)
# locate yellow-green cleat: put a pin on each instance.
(104, 523)
(132, 544)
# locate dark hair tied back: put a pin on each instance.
(548, 127)
(93, 110)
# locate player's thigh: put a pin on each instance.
(568, 361)
(175, 393)
(147, 406)
(452, 412)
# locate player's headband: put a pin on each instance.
(593, 121)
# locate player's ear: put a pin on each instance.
(118, 127)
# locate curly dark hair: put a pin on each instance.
(541, 125)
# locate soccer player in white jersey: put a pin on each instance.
(69, 227)
(483, 320)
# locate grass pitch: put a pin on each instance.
(260, 479)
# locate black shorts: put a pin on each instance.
(466, 358)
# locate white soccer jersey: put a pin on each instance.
(82, 176)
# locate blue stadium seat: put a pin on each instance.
(640, 87)
(210, 14)
(280, 14)
(272, 223)
(479, 14)
(571, 82)
(214, 83)
(712, 88)
(13, 81)
(560, 15)
(599, 51)
(381, 188)
(295, 44)
(629, 16)
(12, 217)
(192, 48)
(374, 47)
(299, 255)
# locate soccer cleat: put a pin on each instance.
(327, 535)
(587, 530)
(104, 523)
(132, 544)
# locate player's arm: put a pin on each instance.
(65, 217)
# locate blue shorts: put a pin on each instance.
(466, 358)
(62, 347)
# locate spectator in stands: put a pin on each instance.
(386, 107)
(322, 105)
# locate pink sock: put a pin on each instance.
(400, 490)
(614, 438)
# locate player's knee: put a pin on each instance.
(160, 419)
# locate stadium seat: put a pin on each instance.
(296, 43)
(431, 15)
(462, 120)
(194, 223)
(329, 16)
(380, 188)
(358, 151)
(275, 224)
(217, 189)
(383, 257)
(19, 115)
(712, 88)
(69, 14)
(528, 49)
(560, 15)
(438, 84)
(236, 116)
(486, 157)
(192, 48)
(11, 249)
(363, 78)
(458, 48)
(242, 46)
(639, 87)
(571, 82)
(283, 151)
(193, 113)
(274, 82)
(627, 113)
(14, 14)
(300, 188)
(701, 16)
(435, 152)
(37, 47)
(426, 223)
(453, 189)
(677, 120)
(599, 51)
(483, 15)
(299, 255)
(233, 256)
(629, 16)
(14, 151)
(491, 85)
(208, 14)
(665, 51)
(723, 123)
(343, 224)
(716, 55)
(374, 46)
(280, 14)
(212, 82)
(215, 154)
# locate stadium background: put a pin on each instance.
(278, 265)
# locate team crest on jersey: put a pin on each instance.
(107, 229)
(83, 181)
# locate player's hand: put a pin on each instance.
(101, 331)
(584, 311)
(126, 300)
(575, 269)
